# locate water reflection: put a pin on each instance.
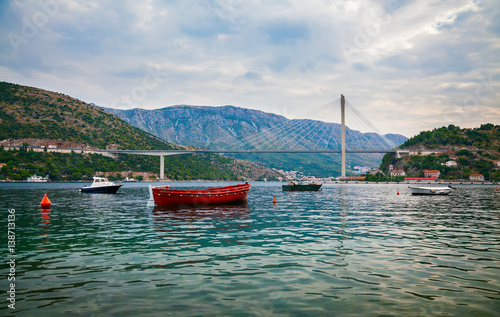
(344, 223)
(197, 227)
(191, 214)
(45, 223)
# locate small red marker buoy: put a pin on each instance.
(398, 193)
(274, 200)
(45, 203)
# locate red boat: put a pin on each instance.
(233, 194)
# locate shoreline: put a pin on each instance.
(453, 183)
(418, 183)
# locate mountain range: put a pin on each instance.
(235, 128)
(35, 117)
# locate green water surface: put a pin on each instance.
(348, 250)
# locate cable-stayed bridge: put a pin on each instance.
(315, 134)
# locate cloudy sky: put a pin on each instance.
(407, 65)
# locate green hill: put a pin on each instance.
(33, 116)
(475, 151)
(28, 112)
(486, 137)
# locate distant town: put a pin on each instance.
(362, 173)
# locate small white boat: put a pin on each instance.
(129, 180)
(101, 185)
(430, 190)
(302, 186)
(37, 179)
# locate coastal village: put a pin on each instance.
(357, 173)
(429, 176)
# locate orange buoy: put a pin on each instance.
(274, 200)
(45, 203)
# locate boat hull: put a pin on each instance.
(302, 188)
(430, 190)
(234, 194)
(101, 190)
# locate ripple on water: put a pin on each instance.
(348, 249)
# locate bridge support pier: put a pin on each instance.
(342, 121)
(402, 153)
(162, 167)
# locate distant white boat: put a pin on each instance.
(130, 180)
(101, 185)
(37, 179)
(430, 190)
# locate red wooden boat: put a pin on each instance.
(233, 194)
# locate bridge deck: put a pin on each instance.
(177, 152)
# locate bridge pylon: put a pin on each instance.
(342, 121)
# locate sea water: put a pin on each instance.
(347, 250)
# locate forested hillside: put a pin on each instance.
(455, 152)
(28, 115)
(28, 112)
(487, 136)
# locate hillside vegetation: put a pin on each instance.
(29, 115)
(28, 112)
(475, 151)
(487, 137)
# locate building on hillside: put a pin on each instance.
(451, 164)
(454, 158)
(361, 169)
(375, 172)
(398, 173)
(476, 177)
(432, 173)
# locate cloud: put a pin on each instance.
(252, 76)
(408, 65)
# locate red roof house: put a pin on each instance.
(398, 173)
(432, 173)
(476, 177)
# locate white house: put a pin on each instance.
(476, 177)
(451, 163)
(432, 173)
(398, 173)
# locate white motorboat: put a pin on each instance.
(302, 186)
(101, 185)
(430, 190)
(37, 179)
